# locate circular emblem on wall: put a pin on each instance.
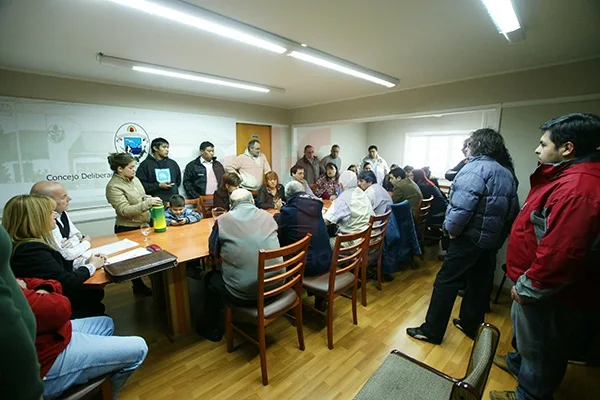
(133, 139)
(56, 133)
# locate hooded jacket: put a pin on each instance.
(148, 172)
(302, 214)
(554, 245)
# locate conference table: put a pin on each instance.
(170, 287)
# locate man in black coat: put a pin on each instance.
(160, 175)
(202, 176)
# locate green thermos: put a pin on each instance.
(158, 218)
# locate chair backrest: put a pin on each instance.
(481, 359)
(195, 203)
(276, 279)
(379, 225)
(423, 210)
(348, 253)
(206, 205)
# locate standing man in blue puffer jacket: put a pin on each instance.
(483, 200)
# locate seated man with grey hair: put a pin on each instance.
(350, 211)
(236, 238)
(70, 242)
(302, 214)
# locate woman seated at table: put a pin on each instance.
(29, 221)
(229, 182)
(126, 195)
(327, 184)
(75, 352)
(271, 195)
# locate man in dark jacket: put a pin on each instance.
(554, 256)
(302, 214)
(481, 198)
(159, 174)
(203, 175)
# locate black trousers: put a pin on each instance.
(465, 263)
(120, 229)
(216, 294)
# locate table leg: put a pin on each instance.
(171, 297)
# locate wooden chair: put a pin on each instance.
(98, 388)
(284, 280)
(373, 257)
(403, 377)
(206, 205)
(421, 221)
(342, 275)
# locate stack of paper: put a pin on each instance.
(111, 248)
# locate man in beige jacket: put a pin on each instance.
(251, 166)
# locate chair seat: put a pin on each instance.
(283, 302)
(399, 379)
(85, 390)
(320, 283)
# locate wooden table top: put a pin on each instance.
(187, 242)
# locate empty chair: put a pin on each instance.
(378, 225)
(206, 205)
(401, 377)
(346, 261)
(279, 291)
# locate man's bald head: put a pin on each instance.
(54, 190)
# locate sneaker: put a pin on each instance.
(500, 362)
(419, 333)
(497, 395)
(460, 326)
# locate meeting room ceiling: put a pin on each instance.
(421, 42)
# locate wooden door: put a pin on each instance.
(248, 132)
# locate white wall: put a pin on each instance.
(390, 136)
(352, 139)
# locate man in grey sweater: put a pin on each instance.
(236, 238)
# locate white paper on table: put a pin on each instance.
(141, 251)
(111, 248)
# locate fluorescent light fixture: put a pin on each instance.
(200, 18)
(504, 17)
(343, 66)
(188, 14)
(182, 74)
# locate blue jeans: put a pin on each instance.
(93, 352)
(541, 338)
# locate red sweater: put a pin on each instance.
(554, 242)
(53, 326)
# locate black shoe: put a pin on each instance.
(460, 326)
(419, 333)
(320, 303)
(212, 334)
(140, 289)
(388, 277)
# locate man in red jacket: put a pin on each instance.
(74, 352)
(554, 256)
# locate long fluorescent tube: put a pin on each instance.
(182, 74)
(504, 17)
(208, 21)
(343, 66)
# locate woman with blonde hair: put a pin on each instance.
(271, 195)
(29, 221)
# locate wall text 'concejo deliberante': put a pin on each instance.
(76, 177)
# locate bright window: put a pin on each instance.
(439, 151)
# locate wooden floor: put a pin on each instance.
(194, 368)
